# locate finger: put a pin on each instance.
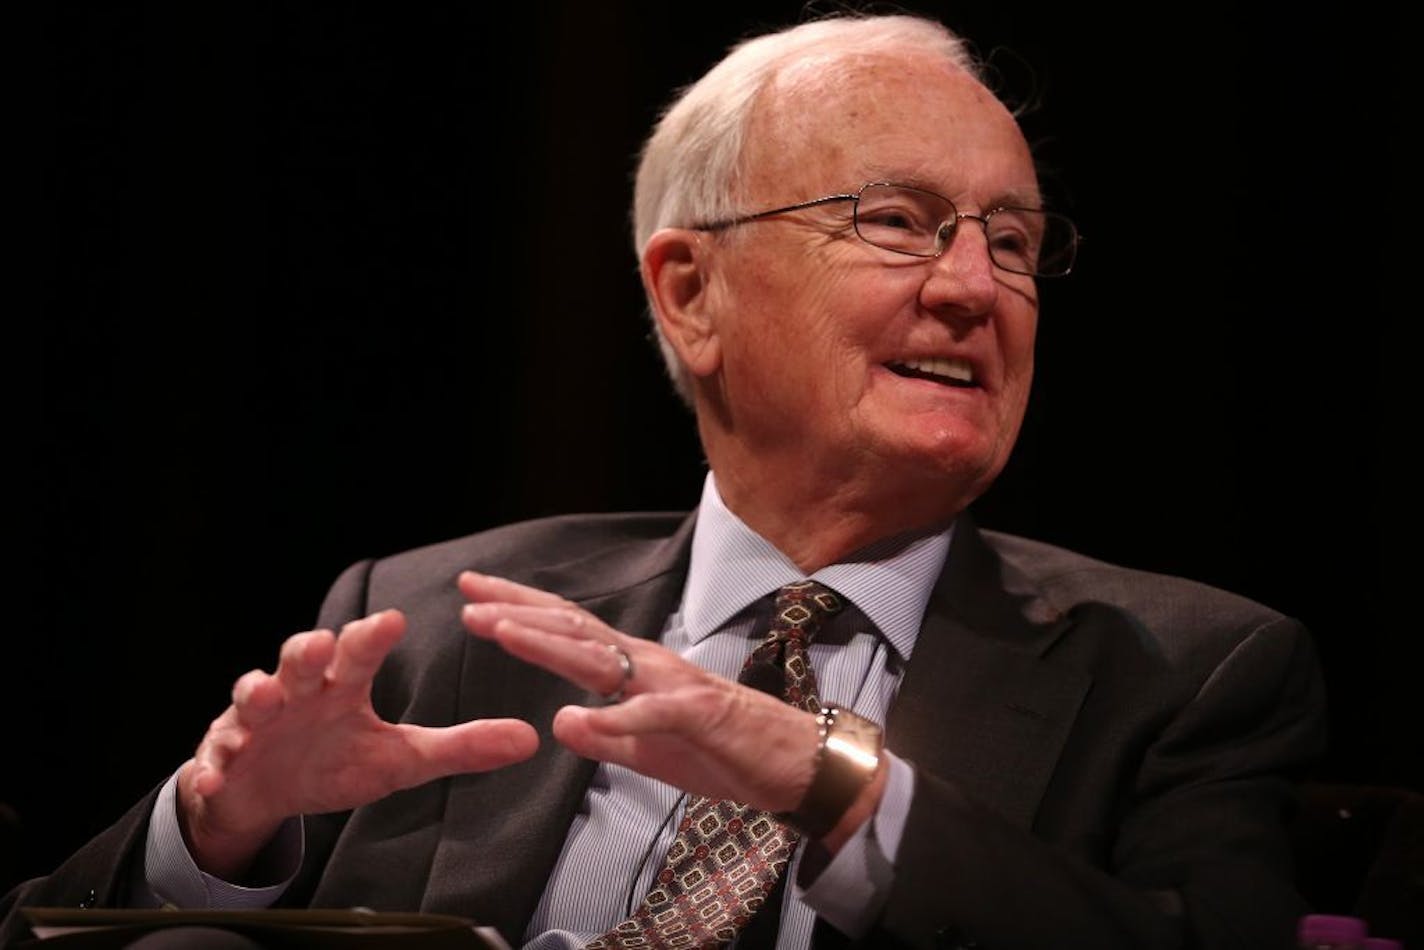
(304, 658)
(587, 663)
(257, 698)
(579, 658)
(707, 716)
(223, 743)
(227, 744)
(564, 620)
(203, 780)
(702, 742)
(487, 587)
(578, 729)
(362, 647)
(685, 712)
(476, 746)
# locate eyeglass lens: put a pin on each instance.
(911, 221)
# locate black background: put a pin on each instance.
(323, 282)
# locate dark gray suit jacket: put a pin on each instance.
(1102, 756)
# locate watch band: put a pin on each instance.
(846, 760)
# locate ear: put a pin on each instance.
(676, 276)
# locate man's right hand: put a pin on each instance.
(305, 740)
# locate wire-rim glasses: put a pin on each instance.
(920, 223)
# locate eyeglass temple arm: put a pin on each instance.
(757, 216)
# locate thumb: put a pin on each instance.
(477, 746)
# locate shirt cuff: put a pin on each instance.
(855, 885)
(174, 879)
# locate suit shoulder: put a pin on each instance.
(1173, 634)
(1069, 579)
(526, 550)
(569, 535)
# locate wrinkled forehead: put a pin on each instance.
(836, 120)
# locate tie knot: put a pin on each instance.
(804, 605)
(780, 665)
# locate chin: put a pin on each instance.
(965, 468)
(954, 447)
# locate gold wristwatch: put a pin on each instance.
(846, 761)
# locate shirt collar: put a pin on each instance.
(733, 567)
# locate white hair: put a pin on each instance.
(691, 163)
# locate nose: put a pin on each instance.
(962, 278)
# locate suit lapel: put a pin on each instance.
(981, 704)
(502, 835)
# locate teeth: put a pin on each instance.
(958, 370)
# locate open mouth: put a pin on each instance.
(947, 372)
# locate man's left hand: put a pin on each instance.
(676, 722)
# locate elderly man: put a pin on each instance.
(825, 706)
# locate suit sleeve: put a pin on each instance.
(1198, 855)
(98, 874)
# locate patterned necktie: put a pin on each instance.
(727, 857)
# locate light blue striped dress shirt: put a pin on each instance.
(620, 837)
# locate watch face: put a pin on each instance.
(848, 758)
(855, 738)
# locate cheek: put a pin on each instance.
(794, 324)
